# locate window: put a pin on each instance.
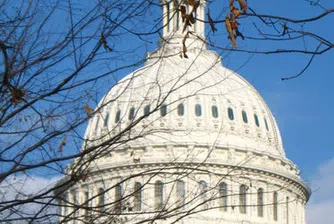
(180, 109)
(223, 196)
(181, 192)
(75, 205)
(65, 205)
(244, 117)
(256, 119)
(266, 123)
(203, 186)
(118, 116)
(275, 206)
(260, 205)
(168, 17)
(214, 110)
(177, 14)
(147, 110)
(118, 199)
(137, 196)
(163, 110)
(158, 195)
(101, 199)
(198, 110)
(106, 120)
(87, 204)
(97, 123)
(230, 113)
(287, 210)
(132, 113)
(242, 199)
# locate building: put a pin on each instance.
(183, 140)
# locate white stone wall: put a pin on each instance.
(212, 176)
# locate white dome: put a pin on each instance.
(199, 80)
(192, 123)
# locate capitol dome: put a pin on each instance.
(185, 140)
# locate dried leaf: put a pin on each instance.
(195, 4)
(234, 23)
(229, 29)
(17, 95)
(243, 5)
(228, 25)
(184, 47)
(235, 11)
(88, 110)
(183, 10)
(62, 143)
(105, 44)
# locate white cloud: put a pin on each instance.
(320, 207)
(22, 187)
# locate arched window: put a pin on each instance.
(244, 117)
(260, 204)
(65, 204)
(87, 204)
(266, 123)
(137, 196)
(180, 109)
(223, 196)
(203, 186)
(147, 110)
(101, 198)
(158, 195)
(118, 116)
(163, 110)
(132, 113)
(275, 206)
(214, 110)
(177, 15)
(97, 123)
(106, 120)
(118, 199)
(75, 205)
(198, 110)
(230, 113)
(243, 199)
(256, 119)
(181, 192)
(287, 210)
(168, 17)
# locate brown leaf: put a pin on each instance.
(243, 5)
(230, 31)
(17, 95)
(235, 11)
(62, 143)
(183, 10)
(184, 47)
(105, 44)
(228, 25)
(88, 110)
(195, 4)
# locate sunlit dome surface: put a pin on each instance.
(218, 106)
